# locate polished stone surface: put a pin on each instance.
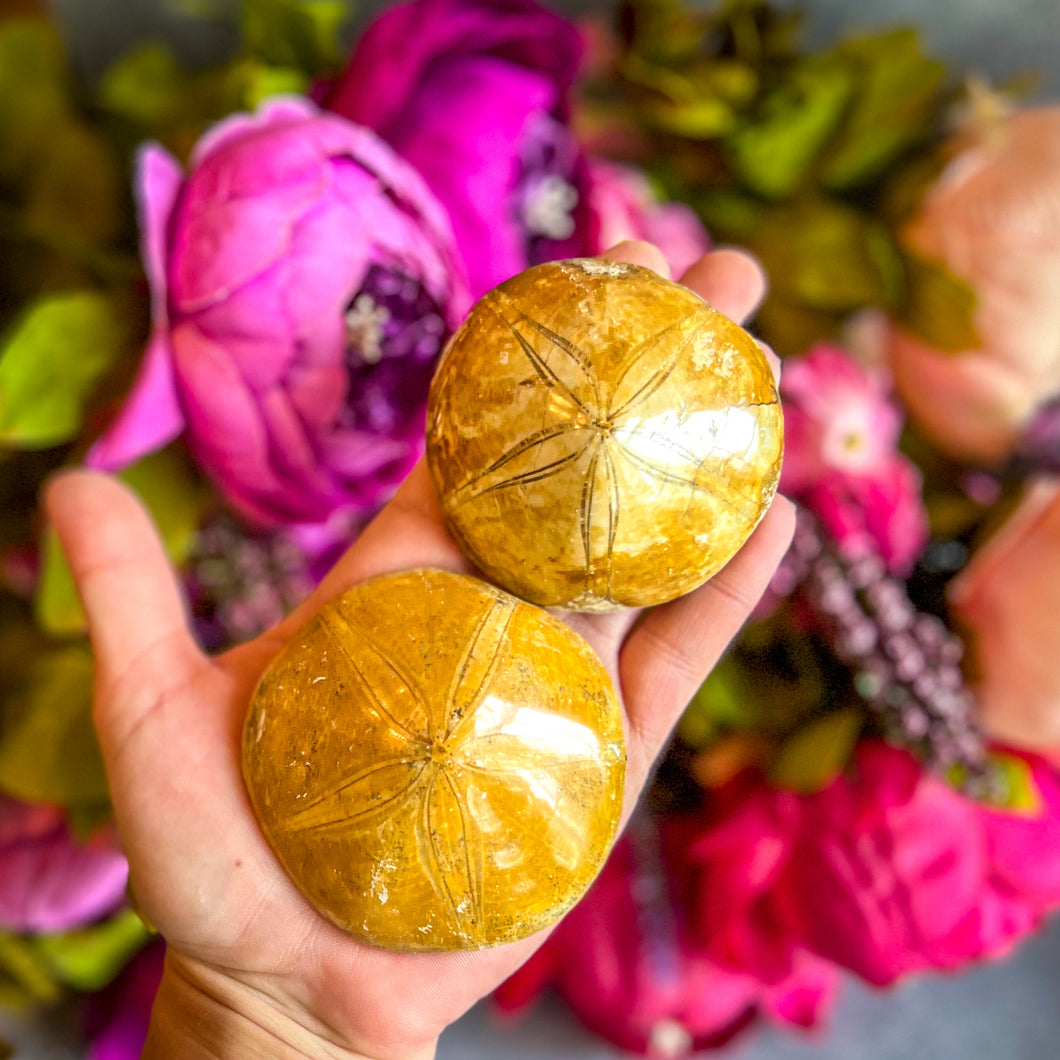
(601, 437)
(437, 765)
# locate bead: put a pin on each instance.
(601, 437)
(436, 764)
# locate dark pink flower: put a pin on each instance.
(841, 456)
(474, 93)
(304, 280)
(626, 962)
(50, 881)
(896, 872)
(625, 206)
(117, 1018)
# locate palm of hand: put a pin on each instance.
(170, 724)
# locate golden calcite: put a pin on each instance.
(437, 765)
(601, 437)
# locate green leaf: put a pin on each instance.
(145, 86)
(49, 364)
(822, 254)
(33, 92)
(174, 496)
(896, 103)
(48, 752)
(816, 754)
(694, 119)
(88, 959)
(939, 306)
(263, 81)
(773, 153)
(1017, 790)
(76, 191)
(722, 702)
(302, 34)
(25, 977)
(57, 606)
(175, 499)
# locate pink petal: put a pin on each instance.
(151, 416)
(158, 183)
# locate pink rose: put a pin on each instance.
(1009, 598)
(474, 93)
(49, 881)
(841, 456)
(625, 206)
(993, 218)
(304, 280)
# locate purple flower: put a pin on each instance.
(49, 880)
(304, 281)
(474, 94)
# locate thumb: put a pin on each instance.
(135, 610)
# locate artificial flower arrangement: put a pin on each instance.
(230, 287)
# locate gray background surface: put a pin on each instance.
(1009, 1010)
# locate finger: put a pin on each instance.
(126, 584)
(772, 358)
(730, 280)
(667, 657)
(410, 532)
(636, 252)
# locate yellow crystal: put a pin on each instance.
(601, 437)
(437, 765)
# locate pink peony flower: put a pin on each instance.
(625, 206)
(993, 217)
(474, 94)
(626, 963)
(49, 880)
(304, 280)
(1009, 598)
(896, 872)
(841, 458)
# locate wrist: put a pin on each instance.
(200, 1013)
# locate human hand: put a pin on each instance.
(252, 969)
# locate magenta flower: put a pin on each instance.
(304, 280)
(896, 872)
(117, 1018)
(624, 206)
(627, 964)
(474, 94)
(841, 456)
(49, 880)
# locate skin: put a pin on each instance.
(251, 969)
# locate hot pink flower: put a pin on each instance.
(117, 1018)
(896, 872)
(1009, 598)
(625, 961)
(303, 280)
(625, 206)
(993, 217)
(49, 881)
(474, 93)
(841, 458)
